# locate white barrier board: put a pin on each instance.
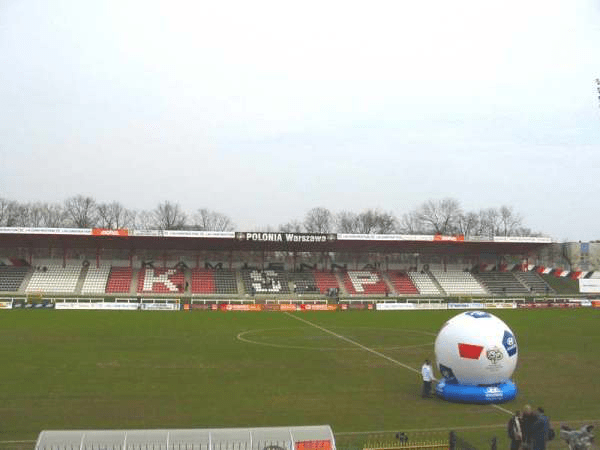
(106, 306)
(589, 285)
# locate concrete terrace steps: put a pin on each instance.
(81, 279)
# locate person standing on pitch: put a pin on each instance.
(514, 431)
(427, 374)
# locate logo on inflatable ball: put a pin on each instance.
(476, 348)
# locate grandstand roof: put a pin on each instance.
(263, 241)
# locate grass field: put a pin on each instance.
(83, 369)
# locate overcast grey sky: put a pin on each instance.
(262, 110)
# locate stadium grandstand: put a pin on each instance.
(273, 266)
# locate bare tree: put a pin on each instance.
(489, 222)
(375, 222)
(169, 216)
(347, 222)
(81, 211)
(386, 223)
(367, 222)
(207, 220)
(19, 215)
(525, 231)
(114, 215)
(144, 220)
(510, 221)
(293, 226)
(318, 220)
(440, 216)
(468, 223)
(3, 211)
(53, 215)
(410, 223)
(8, 212)
(36, 216)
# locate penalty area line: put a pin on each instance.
(374, 352)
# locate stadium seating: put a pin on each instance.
(535, 282)
(96, 280)
(364, 282)
(303, 282)
(325, 280)
(160, 281)
(424, 283)
(203, 281)
(456, 282)
(214, 281)
(402, 283)
(12, 277)
(119, 280)
(54, 278)
(501, 283)
(265, 282)
(226, 281)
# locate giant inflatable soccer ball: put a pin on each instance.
(476, 348)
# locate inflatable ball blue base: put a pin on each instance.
(460, 393)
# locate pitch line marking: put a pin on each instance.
(501, 409)
(358, 344)
(375, 352)
(242, 337)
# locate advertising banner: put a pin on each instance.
(22, 230)
(532, 305)
(359, 306)
(200, 306)
(431, 306)
(456, 238)
(465, 305)
(410, 306)
(288, 307)
(271, 307)
(159, 306)
(285, 237)
(108, 232)
(548, 305)
(595, 303)
(250, 307)
(114, 306)
(589, 285)
(394, 306)
(5, 305)
(318, 307)
(500, 305)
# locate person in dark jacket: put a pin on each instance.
(546, 421)
(539, 431)
(527, 421)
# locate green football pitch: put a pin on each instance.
(353, 370)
